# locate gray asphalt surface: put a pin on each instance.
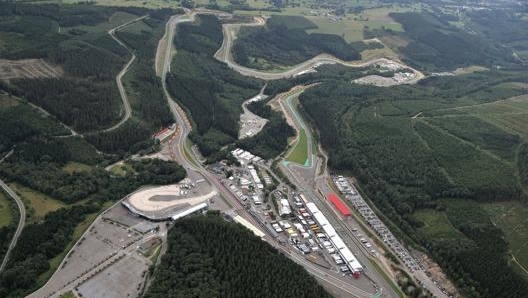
(21, 220)
(119, 77)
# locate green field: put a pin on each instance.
(299, 153)
(6, 214)
(351, 26)
(510, 114)
(76, 167)
(512, 219)
(68, 295)
(436, 225)
(37, 204)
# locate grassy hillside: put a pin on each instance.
(431, 42)
(284, 42)
(425, 154)
(75, 39)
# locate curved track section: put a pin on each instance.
(224, 54)
(21, 220)
(119, 77)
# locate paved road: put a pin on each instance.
(224, 55)
(21, 220)
(119, 77)
(189, 162)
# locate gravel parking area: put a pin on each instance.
(123, 279)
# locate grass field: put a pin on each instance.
(69, 294)
(115, 20)
(510, 114)
(37, 204)
(512, 219)
(437, 227)
(76, 167)
(7, 102)
(299, 154)
(6, 214)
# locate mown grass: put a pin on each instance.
(76, 167)
(7, 102)
(69, 294)
(436, 226)
(512, 219)
(6, 214)
(299, 154)
(37, 204)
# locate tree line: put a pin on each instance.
(208, 257)
(280, 43)
(210, 91)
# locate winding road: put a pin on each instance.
(224, 54)
(21, 220)
(119, 77)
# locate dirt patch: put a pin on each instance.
(27, 68)
(437, 275)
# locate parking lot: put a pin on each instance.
(283, 215)
(351, 194)
(117, 280)
(105, 259)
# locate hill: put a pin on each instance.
(209, 257)
(284, 42)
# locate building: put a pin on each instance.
(342, 207)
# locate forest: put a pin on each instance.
(406, 165)
(86, 97)
(284, 41)
(211, 92)
(28, 260)
(209, 257)
(436, 45)
(87, 190)
(273, 139)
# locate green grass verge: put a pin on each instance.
(68, 295)
(6, 214)
(37, 204)
(76, 167)
(299, 154)
(391, 283)
(512, 219)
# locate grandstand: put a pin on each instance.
(166, 202)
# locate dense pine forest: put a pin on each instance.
(86, 98)
(273, 138)
(48, 161)
(209, 257)
(284, 41)
(444, 160)
(212, 93)
(433, 43)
